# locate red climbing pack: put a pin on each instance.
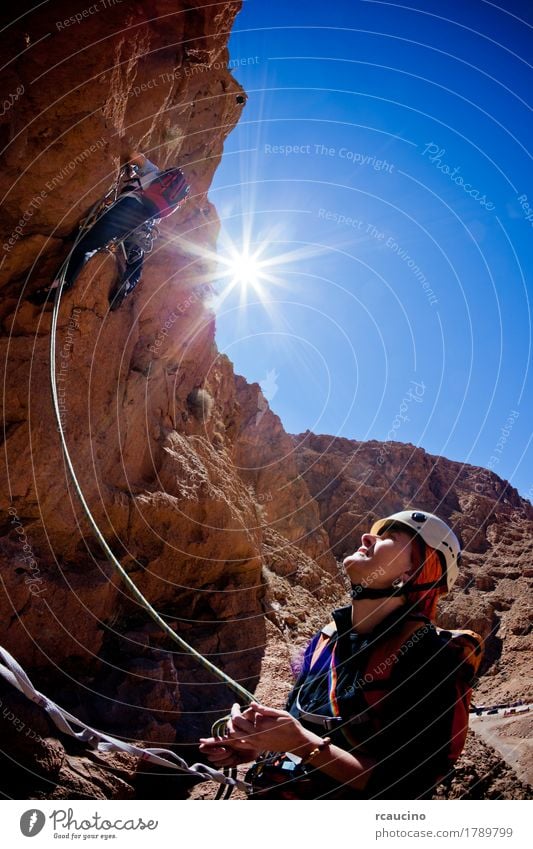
(165, 194)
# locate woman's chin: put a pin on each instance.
(355, 575)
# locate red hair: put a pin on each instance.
(427, 570)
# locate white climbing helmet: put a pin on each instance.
(435, 533)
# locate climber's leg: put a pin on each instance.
(118, 221)
(134, 266)
(130, 277)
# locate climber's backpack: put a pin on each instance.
(166, 192)
(466, 648)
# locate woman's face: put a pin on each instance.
(380, 560)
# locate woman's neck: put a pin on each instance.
(369, 612)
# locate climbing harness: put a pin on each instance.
(13, 673)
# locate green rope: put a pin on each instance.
(203, 661)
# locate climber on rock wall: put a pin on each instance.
(147, 195)
(389, 689)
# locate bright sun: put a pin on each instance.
(244, 270)
(258, 270)
(253, 269)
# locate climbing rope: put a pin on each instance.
(143, 601)
(13, 673)
(240, 691)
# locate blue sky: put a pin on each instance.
(387, 146)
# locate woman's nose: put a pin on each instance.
(368, 540)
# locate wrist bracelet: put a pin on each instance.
(316, 751)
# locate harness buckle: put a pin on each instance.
(330, 723)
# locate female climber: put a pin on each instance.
(380, 708)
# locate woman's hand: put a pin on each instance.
(128, 148)
(137, 158)
(268, 729)
(222, 751)
(257, 729)
(260, 729)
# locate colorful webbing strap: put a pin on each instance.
(70, 725)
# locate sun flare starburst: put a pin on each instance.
(246, 269)
(256, 269)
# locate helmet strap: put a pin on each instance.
(431, 586)
(359, 591)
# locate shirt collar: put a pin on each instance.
(342, 617)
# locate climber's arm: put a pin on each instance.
(145, 165)
(268, 729)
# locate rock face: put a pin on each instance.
(124, 376)
(229, 526)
